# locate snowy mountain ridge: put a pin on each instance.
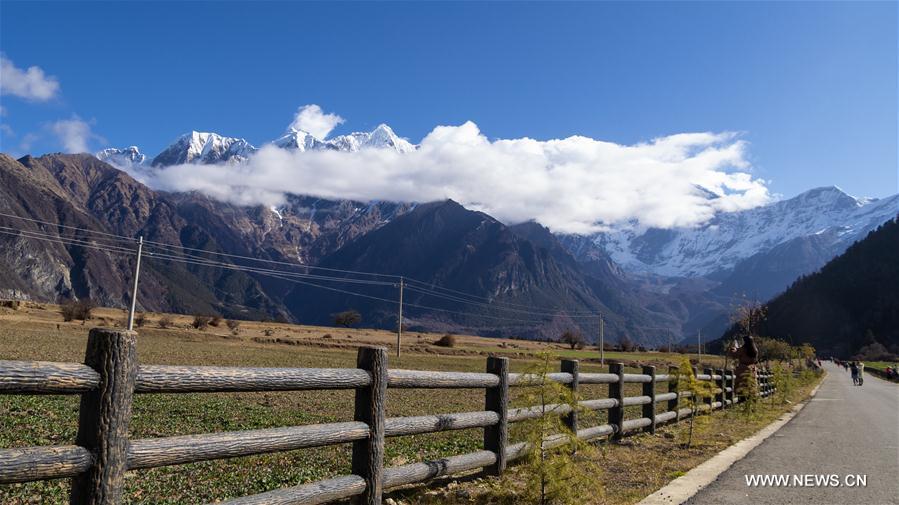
(730, 237)
(209, 148)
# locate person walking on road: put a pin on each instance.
(854, 369)
(861, 370)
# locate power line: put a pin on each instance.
(462, 300)
(428, 289)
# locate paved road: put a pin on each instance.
(844, 430)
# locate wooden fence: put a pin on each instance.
(111, 375)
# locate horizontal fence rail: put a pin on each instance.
(97, 461)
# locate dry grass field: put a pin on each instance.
(37, 332)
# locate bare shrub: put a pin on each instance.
(140, 319)
(573, 338)
(233, 325)
(448, 340)
(215, 321)
(80, 310)
(166, 322)
(201, 322)
(268, 332)
(347, 318)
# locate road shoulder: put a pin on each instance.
(685, 487)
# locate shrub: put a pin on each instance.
(573, 338)
(140, 319)
(268, 332)
(215, 321)
(347, 318)
(165, 322)
(72, 310)
(448, 340)
(233, 325)
(10, 304)
(201, 322)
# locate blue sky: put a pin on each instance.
(811, 86)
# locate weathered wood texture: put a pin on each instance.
(42, 463)
(427, 470)
(519, 379)
(400, 426)
(153, 452)
(597, 378)
(595, 432)
(570, 366)
(437, 380)
(536, 411)
(629, 401)
(649, 391)
(636, 377)
(664, 417)
(634, 424)
(191, 379)
(496, 400)
(599, 404)
(322, 491)
(370, 408)
(104, 415)
(45, 377)
(664, 397)
(616, 391)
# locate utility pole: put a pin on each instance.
(140, 249)
(399, 321)
(602, 343)
(699, 346)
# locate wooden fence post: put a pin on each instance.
(649, 389)
(711, 400)
(104, 415)
(370, 406)
(616, 391)
(571, 366)
(672, 388)
(722, 385)
(497, 400)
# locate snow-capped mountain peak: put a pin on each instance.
(204, 147)
(122, 157)
(731, 237)
(299, 140)
(382, 137)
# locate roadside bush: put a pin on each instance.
(448, 340)
(165, 322)
(140, 319)
(215, 321)
(201, 322)
(233, 325)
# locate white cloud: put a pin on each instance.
(30, 84)
(73, 134)
(575, 185)
(311, 119)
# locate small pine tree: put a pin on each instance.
(564, 474)
(783, 381)
(700, 391)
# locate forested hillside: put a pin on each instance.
(848, 308)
